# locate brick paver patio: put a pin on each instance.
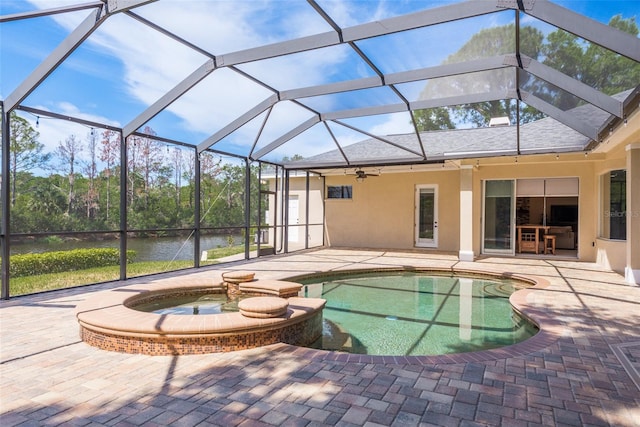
(583, 373)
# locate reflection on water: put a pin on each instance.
(416, 314)
(147, 249)
(191, 305)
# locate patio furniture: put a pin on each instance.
(529, 237)
(565, 237)
(550, 243)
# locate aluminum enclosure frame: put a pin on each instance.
(544, 10)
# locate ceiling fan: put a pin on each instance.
(361, 175)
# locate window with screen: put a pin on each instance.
(339, 192)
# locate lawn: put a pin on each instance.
(47, 282)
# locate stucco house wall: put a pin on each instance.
(382, 211)
(308, 225)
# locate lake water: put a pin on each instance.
(147, 249)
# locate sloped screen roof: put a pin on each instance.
(271, 80)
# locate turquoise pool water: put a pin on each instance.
(417, 314)
(190, 304)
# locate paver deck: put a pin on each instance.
(587, 374)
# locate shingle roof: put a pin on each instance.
(544, 135)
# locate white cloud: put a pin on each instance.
(154, 63)
(397, 123)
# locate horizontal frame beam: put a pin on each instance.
(382, 27)
(49, 12)
(587, 28)
(577, 88)
(365, 111)
(425, 18)
(561, 116)
(485, 64)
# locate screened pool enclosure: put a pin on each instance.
(167, 131)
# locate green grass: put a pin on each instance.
(217, 253)
(47, 282)
(68, 279)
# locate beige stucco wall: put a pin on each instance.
(297, 188)
(382, 211)
(314, 232)
(611, 254)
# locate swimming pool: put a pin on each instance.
(411, 313)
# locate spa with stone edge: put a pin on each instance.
(265, 312)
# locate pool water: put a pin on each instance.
(417, 314)
(191, 304)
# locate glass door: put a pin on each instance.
(426, 216)
(498, 217)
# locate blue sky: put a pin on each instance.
(124, 67)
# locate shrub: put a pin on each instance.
(53, 240)
(61, 261)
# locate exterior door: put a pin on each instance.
(498, 228)
(294, 219)
(426, 223)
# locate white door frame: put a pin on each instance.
(422, 242)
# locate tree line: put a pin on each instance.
(77, 186)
